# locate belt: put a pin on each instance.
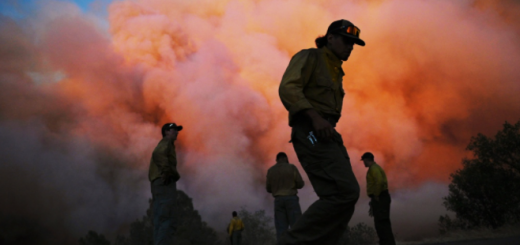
(332, 121)
(302, 121)
(382, 192)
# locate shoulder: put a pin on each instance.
(165, 142)
(162, 143)
(376, 168)
(308, 51)
(306, 54)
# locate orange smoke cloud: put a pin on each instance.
(415, 94)
(432, 75)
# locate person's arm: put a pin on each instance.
(231, 225)
(161, 160)
(294, 80)
(171, 171)
(298, 178)
(378, 181)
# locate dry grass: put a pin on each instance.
(462, 235)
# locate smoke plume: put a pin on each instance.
(81, 105)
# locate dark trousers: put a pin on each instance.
(286, 211)
(164, 223)
(236, 237)
(381, 211)
(327, 165)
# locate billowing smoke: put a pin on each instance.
(81, 105)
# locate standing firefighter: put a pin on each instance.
(163, 176)
(235, 229)
(312, 91)
(283, 180)
(377, 190)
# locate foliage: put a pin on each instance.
(360, 234)
(20, 230)
(191, 229)
(447, 224)
(258, 228)
(485, 191)
(92, 238)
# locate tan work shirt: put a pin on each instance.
(236, 224)
(164, 161)
(313, 79)
(283, 179)
(376, 180)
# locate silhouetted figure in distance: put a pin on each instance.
(283, 180)
(163, 176)
(377, 190)
(236, 227)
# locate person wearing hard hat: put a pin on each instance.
(283, 182)
(377, 190)
(312, 92)
(163, 176)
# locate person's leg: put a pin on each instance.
(155, 210)
(280, 216)
(237, 237)
(294, 210)
(328, 167)
(164, 199)
(234, 240)
(323, 223)
(382, 222)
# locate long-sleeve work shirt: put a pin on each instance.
(313, 79)
(235, 225)
(164, 161)
(376, 180)
(283, 179)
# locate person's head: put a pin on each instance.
(234, 214)
(170, 130)
(340, 38)
(282, 157)
(368, 159)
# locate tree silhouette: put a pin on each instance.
(258, 229)
(92, 238)
(191, 229)
(485, 191)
